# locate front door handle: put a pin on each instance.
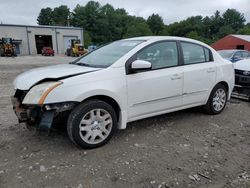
(211, 70)
(176, 77)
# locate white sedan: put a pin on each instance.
(124, 81)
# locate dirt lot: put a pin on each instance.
(182, 149)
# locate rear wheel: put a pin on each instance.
(92, 124)
(217, 100)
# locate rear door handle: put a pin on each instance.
(176, 77)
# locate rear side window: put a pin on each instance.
(193, 53)
(160, 55)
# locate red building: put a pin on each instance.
(241, 42)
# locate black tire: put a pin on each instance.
(209, 107)
(79, 112)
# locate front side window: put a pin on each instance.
(194, 53)
(109, 54)
(160, 55)
(245, 54)
(238, 55)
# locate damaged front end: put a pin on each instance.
(40, 116)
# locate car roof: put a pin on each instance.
(156, 38)
(159, 38)
(234, 50)
(147, 38)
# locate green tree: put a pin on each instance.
(87, 17)
(122, 22)
(138, 27)
(78, 16)
(234, 19)
(87, 39)
(155, 23)
(245, 30)
(103, 24)
(186, 26)
(193, 35)
(61, 15)
(225, 30)
(45, 17)
(165, 31)
(216, 23)
(91, 14)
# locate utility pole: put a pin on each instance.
(68, 21)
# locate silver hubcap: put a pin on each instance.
(219, 100)
(95, 126)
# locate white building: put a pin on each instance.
(29, 40)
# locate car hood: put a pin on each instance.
(28, 79)
(243, 65)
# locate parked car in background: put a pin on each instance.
(92, 48)
(234, 55)
(121, 82)
(48, 51)
(242, 78)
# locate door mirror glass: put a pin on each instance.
(139, 65)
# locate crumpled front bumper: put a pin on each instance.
(239, 89)
(40, 116)
(21, 113)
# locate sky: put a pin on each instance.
(26, 11)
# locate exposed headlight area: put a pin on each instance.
(38, 93)
(30, 108)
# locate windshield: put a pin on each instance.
(226, 54)
(109, 54)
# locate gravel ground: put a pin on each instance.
(181, 149)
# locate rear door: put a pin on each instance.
(199, 73)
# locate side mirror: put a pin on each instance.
(140, 65)
(236, 58)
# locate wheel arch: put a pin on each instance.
(208, 107)
(225, 84)
(109, 100)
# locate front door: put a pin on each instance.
(159, 89)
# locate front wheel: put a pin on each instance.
(217, 100)
(92, 124)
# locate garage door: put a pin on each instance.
(43, 41)
(66, 41)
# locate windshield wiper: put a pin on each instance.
(84, 64)
(91, 65)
